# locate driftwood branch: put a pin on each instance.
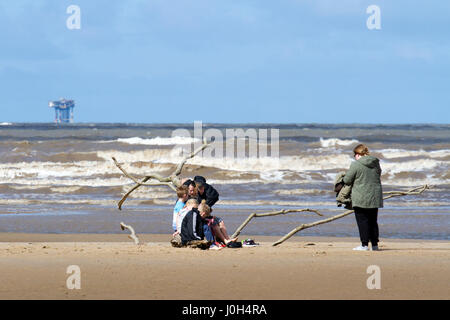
(172, 181)
(391, 194)
(268, 214)
(133, 235)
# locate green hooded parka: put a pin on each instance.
(364, 176)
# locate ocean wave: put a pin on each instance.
(159, 141)
(56, 201)
(400, 153)
(296, 192)
(5, 124)
(285, 170)
(333, 142)
(265, 164)
(419, 165)
(328, 207)
(66, 189)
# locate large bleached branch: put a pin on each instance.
(391, 194)
(172, 181)
(268, 214)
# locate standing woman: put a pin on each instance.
(367, 195)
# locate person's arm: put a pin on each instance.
(351, 174)
(212, 196)
(379, 168)
(176, 209)
(196, 226)
(174, 220)
(179, 220)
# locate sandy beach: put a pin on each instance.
(33, 266)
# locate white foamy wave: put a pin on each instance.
(333, 142)
(149, 155)
(5, 124)
(52, 188)
(420, 165)
(153, 193)
(413, 182)
(55, 201)
(159, 141)
(67, 173)
(65, 189)
(283, 170)
(296, 192)
(399, 153)
(263, 164)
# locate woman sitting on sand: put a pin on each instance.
(367, 195)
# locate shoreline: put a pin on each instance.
(34, 266)
(158, 237)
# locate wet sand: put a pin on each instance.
(33, 266)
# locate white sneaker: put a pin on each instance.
(375, 248)
(361, 248)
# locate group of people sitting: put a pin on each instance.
(193, 224)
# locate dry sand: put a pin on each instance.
(33, 266)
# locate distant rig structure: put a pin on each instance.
(63, 110)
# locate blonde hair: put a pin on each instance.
(203, 207)
(361, 149)
(192, 202)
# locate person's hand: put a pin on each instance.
(175, 233)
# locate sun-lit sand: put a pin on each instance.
(33, 266)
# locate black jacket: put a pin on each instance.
(192, 227)
(210, 194)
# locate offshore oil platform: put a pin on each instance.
(63, 110)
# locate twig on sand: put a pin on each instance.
(392, 194)
(172, 181)
(133, 235)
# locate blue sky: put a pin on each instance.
(288, 61)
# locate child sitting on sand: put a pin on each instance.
(191, 204)
(216, 224)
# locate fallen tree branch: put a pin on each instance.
(268, 214)
(172, 181)
(133, 235)
(392, 194)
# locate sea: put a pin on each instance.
(60, 178)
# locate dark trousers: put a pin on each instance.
(367, 225)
